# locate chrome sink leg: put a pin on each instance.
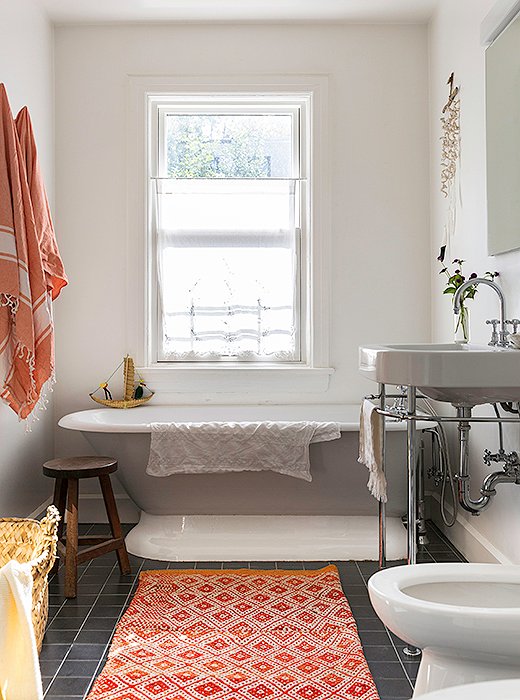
(412, 474)
(412, 488)
(382, 505)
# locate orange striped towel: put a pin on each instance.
(26, 331)
(51, 260)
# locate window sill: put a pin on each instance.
(233, 379)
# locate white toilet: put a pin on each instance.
(491, 690)
(464, 617)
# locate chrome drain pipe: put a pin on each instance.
(509, 475)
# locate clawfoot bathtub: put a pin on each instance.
(251, 515)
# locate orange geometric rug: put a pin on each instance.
(237, 635)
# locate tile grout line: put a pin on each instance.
(131, 593)
(79, 630)
(55, 578)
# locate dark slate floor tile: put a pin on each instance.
(369, 623)
(59, 637)
(99, 623)
(93, 636)
(48, 667)
(80, 599)
(290, 565)
(78, 668)
(71, 686)
(209, 565)
(105, 598)
(116, 588)
(53, 651)
(78, 611)
(363, 610)
(227, 565)
(65, 623)
(154, 564)
(87, 652)
(313, 565)
(380, 653)
(387, 669)
(261, 565)
(368, 568)
(370, 638)
(99, 610)
(390, 687)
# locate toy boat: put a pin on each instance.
(136, 391)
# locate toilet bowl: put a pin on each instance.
(464, 617)
(491, 690)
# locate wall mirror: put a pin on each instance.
(503, 132)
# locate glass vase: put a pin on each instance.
(461, 326)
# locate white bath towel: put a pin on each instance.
(20, 677)
(200, 448)
(371, 448)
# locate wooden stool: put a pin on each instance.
(68, 472)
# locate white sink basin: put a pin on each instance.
(460, 374)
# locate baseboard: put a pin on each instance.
(468, 540)
(92, 508)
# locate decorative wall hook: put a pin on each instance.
(454, 91)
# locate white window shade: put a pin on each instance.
(228, 269)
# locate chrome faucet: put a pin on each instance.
(502, 340)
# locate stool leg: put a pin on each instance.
(115, 523)
(60, 501)
(71, 550)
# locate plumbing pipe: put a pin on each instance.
(509, 475)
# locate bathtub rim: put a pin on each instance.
(96, 419)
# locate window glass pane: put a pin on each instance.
(229, 145)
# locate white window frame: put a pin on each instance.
(297, 107)
(179, 381)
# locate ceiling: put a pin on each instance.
(360, 11)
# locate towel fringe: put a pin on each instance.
(10, 301)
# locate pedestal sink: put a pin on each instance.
(461, 374)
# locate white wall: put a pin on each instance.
(26, 68)
(455, 46)
(379, 186)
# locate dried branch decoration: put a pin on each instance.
(450, 140)
(450, 152)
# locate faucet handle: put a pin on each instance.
(515, 322)
(494, 335)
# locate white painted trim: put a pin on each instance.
(466, 538)
(313, 377)
(40, 510)
(232, 379)
(500, 16)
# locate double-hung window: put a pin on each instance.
(228, 218)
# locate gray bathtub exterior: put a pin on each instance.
(338, 484)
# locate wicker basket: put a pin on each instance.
(33, 542)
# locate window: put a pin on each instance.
(228, 195)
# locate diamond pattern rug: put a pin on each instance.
(237, 635)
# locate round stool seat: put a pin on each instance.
(79, 467)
